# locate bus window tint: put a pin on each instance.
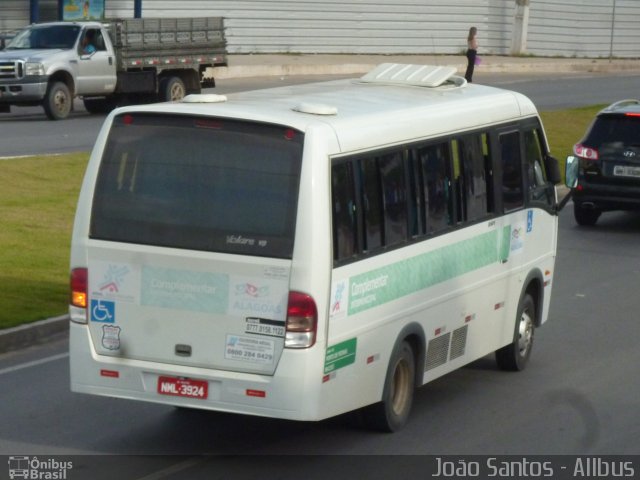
(387, 198)
(371, 203)
(171, 181)
(395, 198)
(474, 176)
(457, 184)
(512, 195)
(435, 163)
(538, 187)
(416, 193)
(344, 211)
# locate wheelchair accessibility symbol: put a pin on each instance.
(103, 311)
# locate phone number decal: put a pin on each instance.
(270, 328)
(249, 349)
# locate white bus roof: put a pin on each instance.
(361, 109)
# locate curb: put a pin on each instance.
(33, 333)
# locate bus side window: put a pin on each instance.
(344, 211)
(435, 164)
(457, 184)
(371, 199)
(475, 175)
(488, 167)
(394, 194)
(539, 190)
(417, 195)
(512, 193)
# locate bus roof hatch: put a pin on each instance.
(414, 75)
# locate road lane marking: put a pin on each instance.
(34, 363)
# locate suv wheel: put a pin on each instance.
(585, 216)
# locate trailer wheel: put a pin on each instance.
(392, 413)
(515, 356)
(57, 101)
(172, 89)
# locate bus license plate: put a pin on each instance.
(183, 387)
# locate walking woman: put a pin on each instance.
(472, 51)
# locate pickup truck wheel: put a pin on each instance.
(172, 89)
(57, 102)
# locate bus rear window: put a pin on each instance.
(199, 183)
(614, 132)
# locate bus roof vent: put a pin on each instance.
(315, 109)
(413, 75)
(204, 98)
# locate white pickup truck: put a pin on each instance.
(109, 64)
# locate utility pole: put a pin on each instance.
(613, 26)
(520, 27)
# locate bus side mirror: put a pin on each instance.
(570, 179)
(571, 171)
(553, 169)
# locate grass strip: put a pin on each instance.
(38, 198)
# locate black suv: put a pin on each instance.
(608, 161)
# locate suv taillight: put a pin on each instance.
(586, 153)
(302, 321)
(78, 287)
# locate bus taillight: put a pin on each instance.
(302, 321)
(78, 287)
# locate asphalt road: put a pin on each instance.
(26, 131)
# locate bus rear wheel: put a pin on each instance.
(392, 413)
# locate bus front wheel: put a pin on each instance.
(515, 356)
(392, 413)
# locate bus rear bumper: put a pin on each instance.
(278, 396)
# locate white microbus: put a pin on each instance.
(305, 251)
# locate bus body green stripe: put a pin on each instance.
(397, 280)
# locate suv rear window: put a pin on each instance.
(614, 131)
(199, 183)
